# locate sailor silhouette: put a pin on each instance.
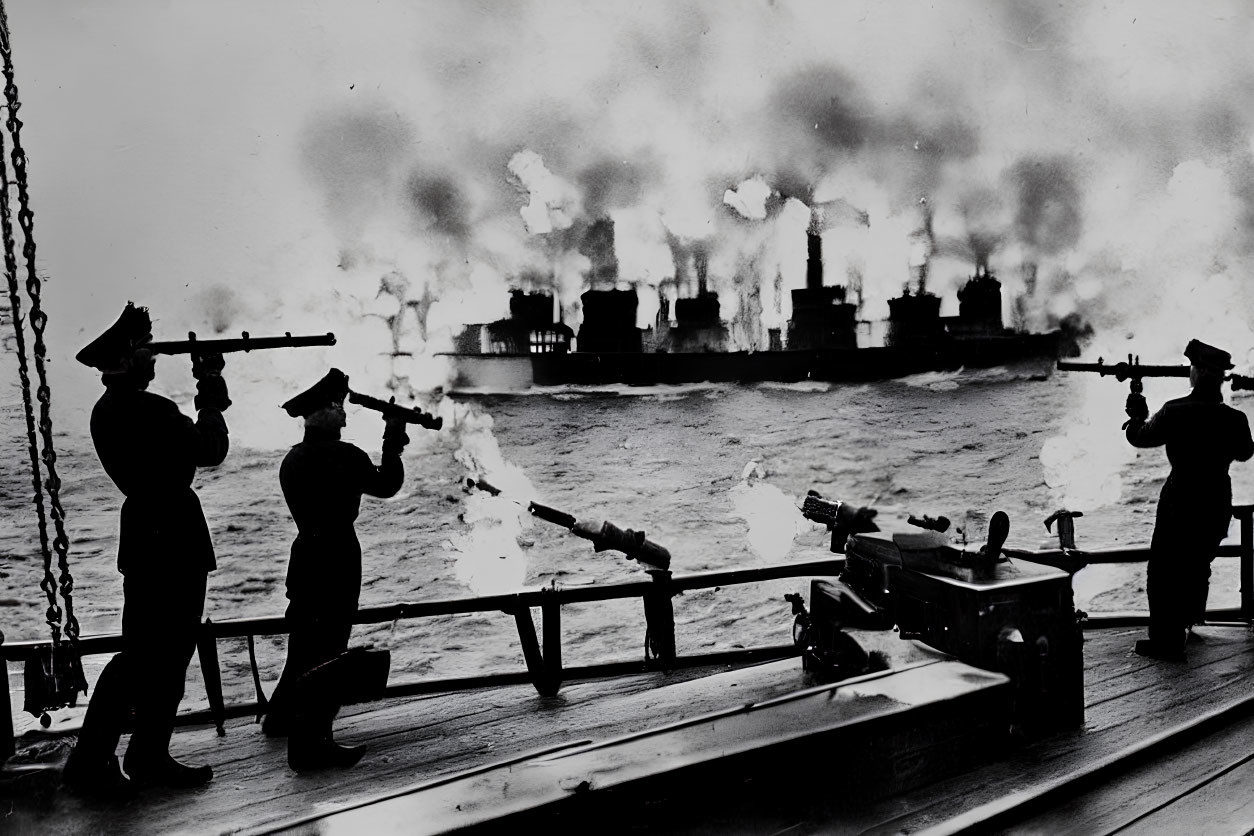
(323, 480)
(151, 451)
(1203, 436)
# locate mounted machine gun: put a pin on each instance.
(659, 639)
(965, 599)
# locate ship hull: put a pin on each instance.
(511, 372)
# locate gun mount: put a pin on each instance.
(605, 536)
(968, 600)
(659, 615)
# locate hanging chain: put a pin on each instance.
(48, 584)
(38, 321)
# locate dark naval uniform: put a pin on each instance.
(1203, 436)
(151, 451)
(323, 480)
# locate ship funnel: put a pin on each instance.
(814, 260)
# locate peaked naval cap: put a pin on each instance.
(1207, 356)
(333, 387)
(108, 351)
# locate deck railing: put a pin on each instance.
(543, 653)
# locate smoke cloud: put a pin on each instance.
(1099, 159)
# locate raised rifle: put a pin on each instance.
(605, 536)
(390, 409)
(1133, 371)
(244, 342)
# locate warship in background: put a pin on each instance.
(688, 341)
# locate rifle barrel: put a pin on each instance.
(1124, 371)
(1131, 371)
(411, 414)
(242, 343)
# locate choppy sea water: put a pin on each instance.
(713, 472)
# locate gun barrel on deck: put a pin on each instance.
(608, 536)
(244, 342)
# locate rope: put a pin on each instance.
(38, 321)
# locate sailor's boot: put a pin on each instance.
(310, 744)
(162, 770)
(148, 760)
(92, 768)
(276, 724)
(309, 753)
(96, 778)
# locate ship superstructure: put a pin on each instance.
(689, 341)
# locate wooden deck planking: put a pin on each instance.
(413, 740)
(1131, 700)
(918, 714)
(1223, 807)
(1184, 776)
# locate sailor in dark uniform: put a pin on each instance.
(151, 451)
(1203, 437)
(323, 479)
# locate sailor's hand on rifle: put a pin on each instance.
(211, 391)
(1136, 407)
(394, 436)
(206, 364)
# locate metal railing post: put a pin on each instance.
(659, 619)
(262, 703)
(7, 744)
(207, 646)
(531, 652)
(1245, 514)
(551, 613)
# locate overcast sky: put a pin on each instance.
(263, 165)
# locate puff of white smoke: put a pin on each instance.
(748, 199)
(689, 219)
(644, 256)
(773, 518)
(788, 255)
(1170, 271)
(489, 558)
(1083, 463)
(553, 203)
(483, 297)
